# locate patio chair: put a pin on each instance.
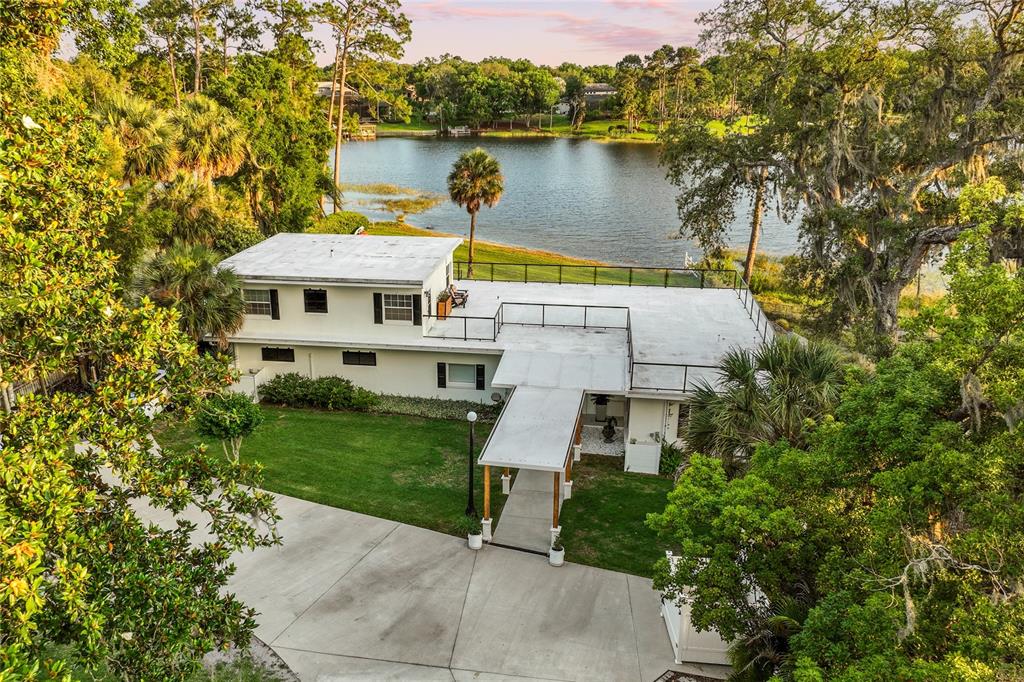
(459, 296)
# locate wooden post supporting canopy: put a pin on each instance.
(568, 468)
(554, 507)
(487, 491)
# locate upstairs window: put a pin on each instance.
(315, 300)
(398, 307)
(359, 357)
(271, 354)
(257, 302)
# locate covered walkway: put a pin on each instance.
(538, 433)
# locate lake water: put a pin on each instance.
(605, 201)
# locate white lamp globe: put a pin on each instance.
(471, 417)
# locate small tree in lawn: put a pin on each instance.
(229, 417)
(475, 180)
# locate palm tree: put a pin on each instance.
(208, 299)
(211, 141)
(193, 210)
(147, 138)
(762, 396)
(475, 180)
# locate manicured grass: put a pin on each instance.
(413, 470)
(509, 262)
(403, 468)
(413, 125)
(596, 129)
(603, 523)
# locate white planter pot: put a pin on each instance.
(556, 557)
(476, 541)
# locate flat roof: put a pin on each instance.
(536, 429)
(342, 258)
(543, 369)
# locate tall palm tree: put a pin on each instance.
(762, 396)
(208, 299)
(211, 141)
(194, 209)
(475, 180)
(147, 137)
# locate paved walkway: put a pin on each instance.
(349, 596)
(525, 519)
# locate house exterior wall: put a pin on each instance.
(398, 372)
(349, 314)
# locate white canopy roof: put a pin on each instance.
(595, 373)
(535, 430)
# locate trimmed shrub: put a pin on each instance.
(342, 222)
(327, 393)
(285, 389)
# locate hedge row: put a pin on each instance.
(327, 393)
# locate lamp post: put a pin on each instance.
(470, 506)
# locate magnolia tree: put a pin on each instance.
(78, 566)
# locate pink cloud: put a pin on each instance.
(598, 31)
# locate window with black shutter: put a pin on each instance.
(315, 300)
(442, 375)
(359, 357)
(378, 308)
(275, 307)
(272, 354)
(479, 377)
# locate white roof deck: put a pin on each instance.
(536, 429)
(681, 332)
(342, 258)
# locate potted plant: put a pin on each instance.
(471, 526)
(444, 305)
(556, 555)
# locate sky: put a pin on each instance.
(581, 31)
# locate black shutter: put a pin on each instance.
(479, 377)
(378, 309)
(275, 308)
(417, 311)
(442, 375)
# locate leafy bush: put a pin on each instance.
(342, 222)
(671, 458)
(285, 389)
(328, 393)
(228, 417)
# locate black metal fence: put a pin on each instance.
(619, 275)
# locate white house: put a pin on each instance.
(564, 360)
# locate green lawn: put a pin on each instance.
(509, 262)
(603, 523)
(413, 470)
(407, 469)
(596, 129)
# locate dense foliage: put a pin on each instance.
(78, 565)
(888, 544)
(327, 393)
(228, 417)
(874, 117)
(341, 222)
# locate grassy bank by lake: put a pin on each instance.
(601, 130)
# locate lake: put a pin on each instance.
(605, 201)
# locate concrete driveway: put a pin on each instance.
(349, 596)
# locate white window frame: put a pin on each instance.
(397, 302)
(267, 302)
(455, 383)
